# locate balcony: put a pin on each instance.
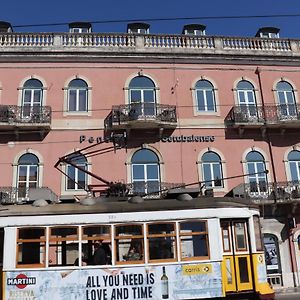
(269, 116)
(24, 118)
(141, 116)
(13, 195)
(268, 192)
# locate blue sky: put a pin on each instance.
(64, 11)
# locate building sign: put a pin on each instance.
(190, 281)
(188, 138)
(169, 139)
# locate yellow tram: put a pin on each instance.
(157, 249)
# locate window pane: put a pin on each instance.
(149, 96)
(162, 248)
(63, 246)
(37, 97)
(200, 101)
(193, 243)
(240, 236)
(72, 100)
(210, 101)
(138, 172)
(135, 96)
(152, 172)
(82, 100)
(257, 228)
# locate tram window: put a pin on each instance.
(193, 240)
(240, 236)
(31, 247)
(129, 243)
(226, 236)
(63, 246)
(161, 241)
(91, 235)
(258, 236)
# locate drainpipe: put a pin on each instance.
(258, 71)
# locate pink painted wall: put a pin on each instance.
(108, 82)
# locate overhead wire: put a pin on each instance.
(165, 19)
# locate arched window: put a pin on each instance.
(205, 96)
(294, 165)
(212, 172)
(76, 179)
(246, 98)
(28, 174)
(142, 97)
(32, 97)
(145, 171)
(272, 255)
(286, 100)
(256, 170)
(77, 96)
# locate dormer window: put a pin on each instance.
(80, 27)
(194, 29)
(5, 27)
(138, 28)
(268, 32)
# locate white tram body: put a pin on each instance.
(184, 250)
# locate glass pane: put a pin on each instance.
(31, 253)
(228, 271)
(130, 250)
(82, 100)
(200, 101)
(72, 100)
(257, 231)
(135, 96)
(152, 172)
(22, 173)
(138, 172)
(240, 236)
(207, 176)
(71, 177)
(63, 246)
(31, 233)
(125, 230)
(243, 269)
(33, 173)
(210, 101)
(153, 186)
(162, 228)
(294, 169)
(162, 248)
(144, 156)
(149, 96)
(193, 246)
(27, 97)
(37, 97)
(81, 180)
(63, 253)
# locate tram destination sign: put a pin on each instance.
(167, 139)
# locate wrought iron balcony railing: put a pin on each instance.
(141, 112)
(13, 114)
(13, 195)
(268, 114)
(279, 191)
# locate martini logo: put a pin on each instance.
(21, 281)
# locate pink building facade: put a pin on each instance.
(211, 115)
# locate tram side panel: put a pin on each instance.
(185, 279)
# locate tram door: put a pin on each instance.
(236, 256)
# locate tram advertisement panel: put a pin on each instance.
(189, 281)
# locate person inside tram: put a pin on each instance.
(134, 252)
(100, 256)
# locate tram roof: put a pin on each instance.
(115, 205)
